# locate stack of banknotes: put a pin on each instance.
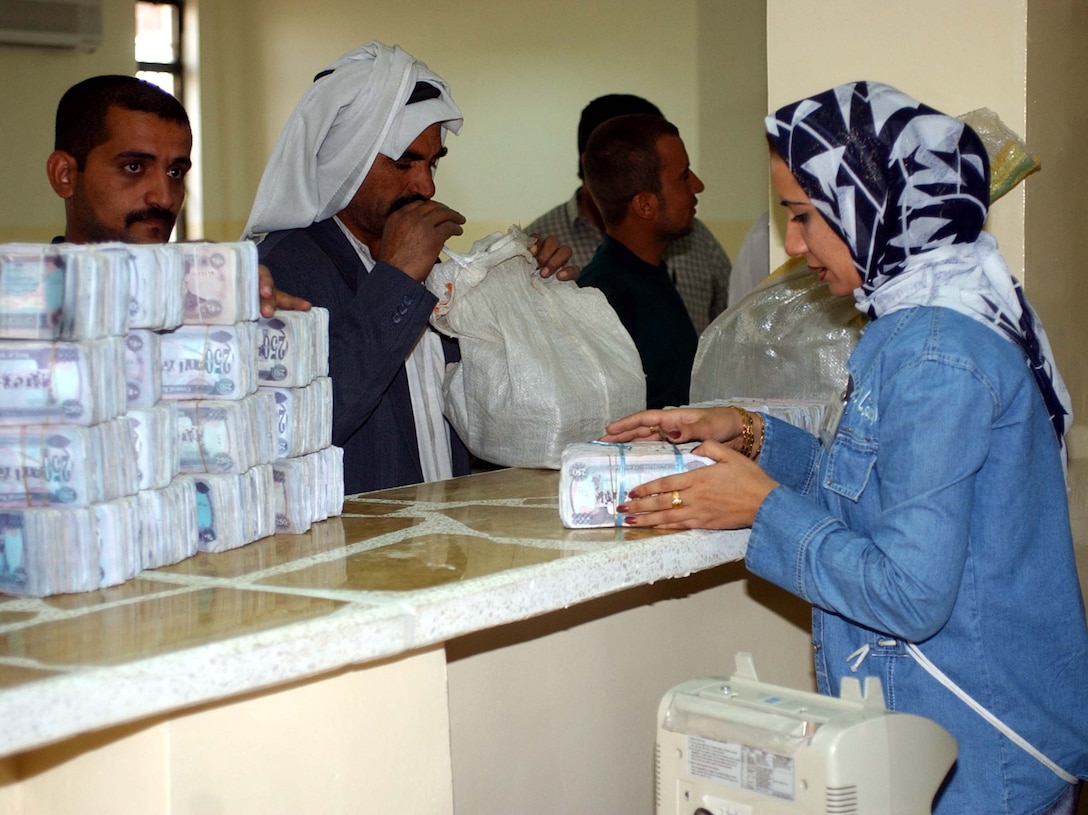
(293, 364)
(57, 382)
(50, 292)
(293, 348)
(221, 283)
(595, 477)
(807, 414)
(58, 465)
(233, 509)
(309, 488)
(132, 430)
(209, 361)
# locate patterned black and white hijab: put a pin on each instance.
(907, 188)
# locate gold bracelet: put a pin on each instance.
(747, 432)
(762, 437)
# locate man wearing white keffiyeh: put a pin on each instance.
(930, 530)
(345, 218)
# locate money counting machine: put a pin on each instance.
(739, 746)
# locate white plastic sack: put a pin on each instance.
(543, 363)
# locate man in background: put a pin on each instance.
(121, 153)
(637, 170)
(346, 218)
(120, 156)
(699, 266)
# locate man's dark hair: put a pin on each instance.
(621, 161)
(81, 112)
(603, 108)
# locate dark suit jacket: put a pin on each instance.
(374, 322)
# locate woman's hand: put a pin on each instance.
(724, 495)
(676, 425)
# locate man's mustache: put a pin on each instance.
(405, 201)
(151, 213)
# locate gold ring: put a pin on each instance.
(677, 501)
(653, 428)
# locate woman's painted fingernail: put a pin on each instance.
(623, 509)
(631, 520)
(674, 434)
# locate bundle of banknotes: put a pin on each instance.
(807, 414)
(595, 477)
(67, 465)
(44, 382)
(156, 436)
(209, 362)
(167, 523)
(227, 436)
(45, 551)
(233, 509)
(221, 282)
(143, 368)
(308, 476)
(52, 292)
(293, 348)
(308, 489)
(158, 286)
(81, 292)
(304, 421)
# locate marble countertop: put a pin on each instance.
(399, 570)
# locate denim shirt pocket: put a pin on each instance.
(851, 459)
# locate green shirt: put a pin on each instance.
(647, 303)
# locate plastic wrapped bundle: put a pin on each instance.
(543, 362)
(595, 477)
(1011, 161)
(789, 338)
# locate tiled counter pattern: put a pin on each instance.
(401, 569)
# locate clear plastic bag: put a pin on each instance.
(789, 338)
(543, 363)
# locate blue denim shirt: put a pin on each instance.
(939, 516)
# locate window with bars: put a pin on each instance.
(158, 45)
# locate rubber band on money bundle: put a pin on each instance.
(620, 490)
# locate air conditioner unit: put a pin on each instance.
(51, 23)
(739, 746)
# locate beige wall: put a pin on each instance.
(34, 79)
(521, 75)
(982, 63)
(1057, 210)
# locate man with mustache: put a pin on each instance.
(637, 171)
(121, 153)
(346, 217)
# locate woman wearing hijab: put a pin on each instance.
(929, 524)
